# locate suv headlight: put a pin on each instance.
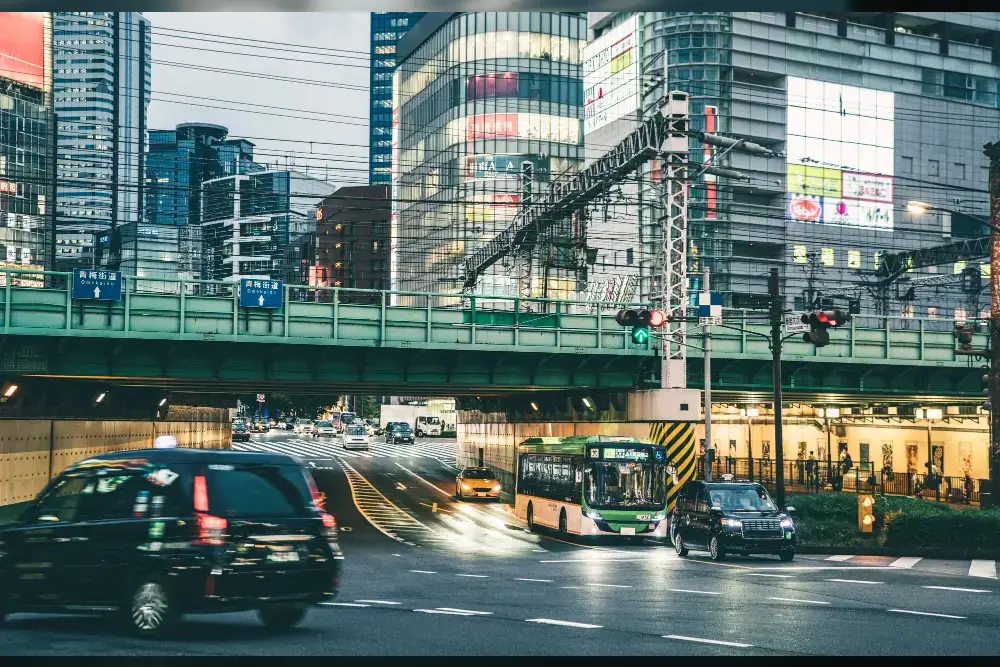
(593, 514)
(787, 522)
(732, 523)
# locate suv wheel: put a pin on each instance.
(150, 610)
(679, 545)
(282, 616)
(716, 550)
(787, 556)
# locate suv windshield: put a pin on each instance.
(625, 485)
(477, 473)
(744, 497)
(355, 430)
(404, 427)
(326, 424)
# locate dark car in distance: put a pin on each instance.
(241, 433)
(150, 535)
(731, 518)
(398, 432)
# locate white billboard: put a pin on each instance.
(611, 76)
(840, 154)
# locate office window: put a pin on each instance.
(906, 165)
(959, 171)
(826, 256)
(933, 168)
(854, 259)
(799, 254)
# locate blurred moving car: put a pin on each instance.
(241, 433)
(324, 428)
(303, 426)
(474, 482)
(355, 437)
(153, 534)
(372, 430)
(398, 432)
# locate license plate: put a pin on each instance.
(482, 494)
(628, 531)
(642, 517)
(283, 557)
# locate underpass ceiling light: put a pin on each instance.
(586, 401)
(933, 413)
(162, 401)
(101, 397)
(534, 406)
(832, 413)
(752, 412)
(11, 390)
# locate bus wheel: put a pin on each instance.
(562, 523)
(531, 518)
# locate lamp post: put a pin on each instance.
(750, 413)
(930, 414)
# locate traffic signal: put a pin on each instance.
(963, 336)
(819, 322)
(866, 513)
(641, 321)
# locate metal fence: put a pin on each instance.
(803, 476)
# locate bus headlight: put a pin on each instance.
(593, 514)
(659, 517)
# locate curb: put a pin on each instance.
(928, 552)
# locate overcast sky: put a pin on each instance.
(334, 115)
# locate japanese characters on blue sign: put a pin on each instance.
(97, 284)
(259, 293)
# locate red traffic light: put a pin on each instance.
(657, 318)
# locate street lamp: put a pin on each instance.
(930, 414)
(917, 207)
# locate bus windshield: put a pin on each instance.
(625, 485)
(346, 417)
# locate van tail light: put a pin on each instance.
(200, 494)
(318, 498)
(211, 529)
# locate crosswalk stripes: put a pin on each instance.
(443, 451)
(986, 569)
(906, 562)
(840, 559)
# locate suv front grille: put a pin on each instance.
(762, 528)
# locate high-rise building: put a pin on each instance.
(26, 163)
(247, 221)
(870, 111)
(101, 92)
(386, 29)
(479, 97)
(177, 163)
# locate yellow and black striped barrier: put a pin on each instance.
(678, 439)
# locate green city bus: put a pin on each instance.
(593, 485)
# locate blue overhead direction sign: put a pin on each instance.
(97, 284)
(260, 293)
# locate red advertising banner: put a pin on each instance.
(504, 199)
(711, 195)
(491, 126)
(22, 47)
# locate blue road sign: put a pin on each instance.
(259, 293)
(97, 284)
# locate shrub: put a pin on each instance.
(962, 529)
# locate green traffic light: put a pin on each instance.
(640, 335)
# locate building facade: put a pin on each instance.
(26, 150)
(177, 163)
(386, 30)
(870, 111)
(479, 97)
(247, 221)
(101, 90)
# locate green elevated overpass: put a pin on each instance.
(193, 336)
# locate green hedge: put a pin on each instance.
(830, 519)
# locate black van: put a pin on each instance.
(153, 534)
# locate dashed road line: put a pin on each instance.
(379, 602)
(840, 559)
(541, 581)
(471, 612)
(906, 562)
(924, 613)
(855, 581)
(701, 640)
(762, 574)
(423, 571)
(450, 612)
(799, 600)
(610, 585)
(474, 576)
(960, 590)
(568, 624)
(343, 604)
(987, 569)
(684, 590)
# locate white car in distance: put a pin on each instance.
(303, 426)
(324, 428)
(355, 437)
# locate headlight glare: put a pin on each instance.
(593, 514)
(732, 523)
(786, 523)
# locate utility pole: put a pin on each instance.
(992, 151)
(774, 291)
(673, 277)
(708, 385)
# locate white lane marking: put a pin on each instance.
(776, 576)
(855, 581)
(540, 551)
(986, 569)
(572, 587)
(907, 562)
(840, 559)
(569, 624)
(344, 604)
(474, 576)
(398, 555)
(684, 590)
(960, 590)
(799, 600)
(811, 568)
(707, 641)
(423, 571)
(604, 560)
(923, 613)
(443, 611)
(379, 601)
(466, 611)
(611, 585)
(542, 581)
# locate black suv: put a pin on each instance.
(240, 432)
(153, 534)
(731, 517)
(398, 432)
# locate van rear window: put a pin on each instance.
(259, 491)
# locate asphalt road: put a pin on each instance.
(427, 575)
